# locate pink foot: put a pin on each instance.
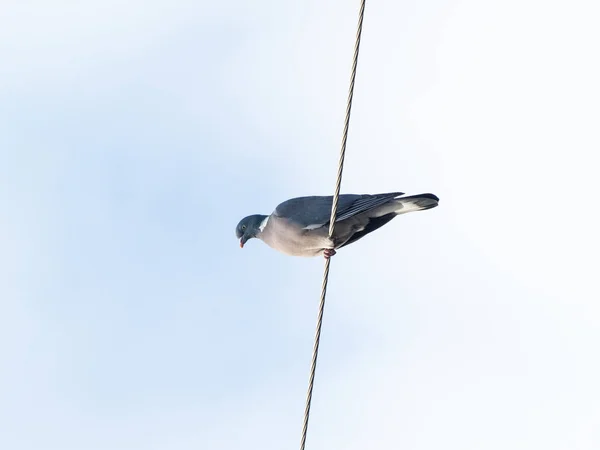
(328, 253)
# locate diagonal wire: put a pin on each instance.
(334, 206)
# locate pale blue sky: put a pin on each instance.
(133, 137)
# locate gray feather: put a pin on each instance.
(315, 212)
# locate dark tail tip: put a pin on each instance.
(429, 196)
(422, 201)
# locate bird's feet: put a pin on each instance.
(328, 253)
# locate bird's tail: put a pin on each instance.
(416, 203)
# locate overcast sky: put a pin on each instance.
(135, 135)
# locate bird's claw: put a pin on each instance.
(328, 253)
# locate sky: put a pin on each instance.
(135, 135)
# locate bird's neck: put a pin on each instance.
(263, 224)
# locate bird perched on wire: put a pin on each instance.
(300, 226)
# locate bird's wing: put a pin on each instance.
(315, 212)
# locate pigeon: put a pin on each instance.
(300, 226)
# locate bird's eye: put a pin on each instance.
(243, 227)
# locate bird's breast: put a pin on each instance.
(289, 238)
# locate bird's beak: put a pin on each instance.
(243, 241)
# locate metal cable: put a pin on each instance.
(334, 206)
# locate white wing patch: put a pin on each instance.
(313, 226)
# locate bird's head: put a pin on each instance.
(248, 228)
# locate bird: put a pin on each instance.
(300, 226)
